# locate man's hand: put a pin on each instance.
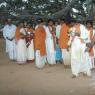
(89, 45)
(68, 48)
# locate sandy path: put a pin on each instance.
(28, 80)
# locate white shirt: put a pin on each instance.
(9, 31)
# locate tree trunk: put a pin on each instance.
(65, 11)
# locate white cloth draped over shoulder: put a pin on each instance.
(58, 28)
(9, 35)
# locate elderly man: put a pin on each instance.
(9, 35)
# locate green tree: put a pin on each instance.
(48, 8)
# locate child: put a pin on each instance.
(58, 53)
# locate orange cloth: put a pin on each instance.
(17, 35)
(40, 37)
(64, 38)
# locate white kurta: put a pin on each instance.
(50, 47)
(21, 49)
(9, 32)
(78, 54)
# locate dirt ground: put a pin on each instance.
(28, 80)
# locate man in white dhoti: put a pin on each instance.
(9, 35)
(50, 43)
(79, 58)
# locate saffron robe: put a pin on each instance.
(63, 44)
(40, 48)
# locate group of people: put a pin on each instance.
(52, 43)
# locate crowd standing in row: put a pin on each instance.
(52, 43)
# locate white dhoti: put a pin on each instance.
(11, 49)
(79, 58)
(91, 61)
(66, 56)
(7, 46)
(50, 51)
(85, 65)
(51, 58)
(30, 51)
(40, 60)
(21, 51)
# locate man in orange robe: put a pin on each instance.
(40, 47)
(63, 43)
